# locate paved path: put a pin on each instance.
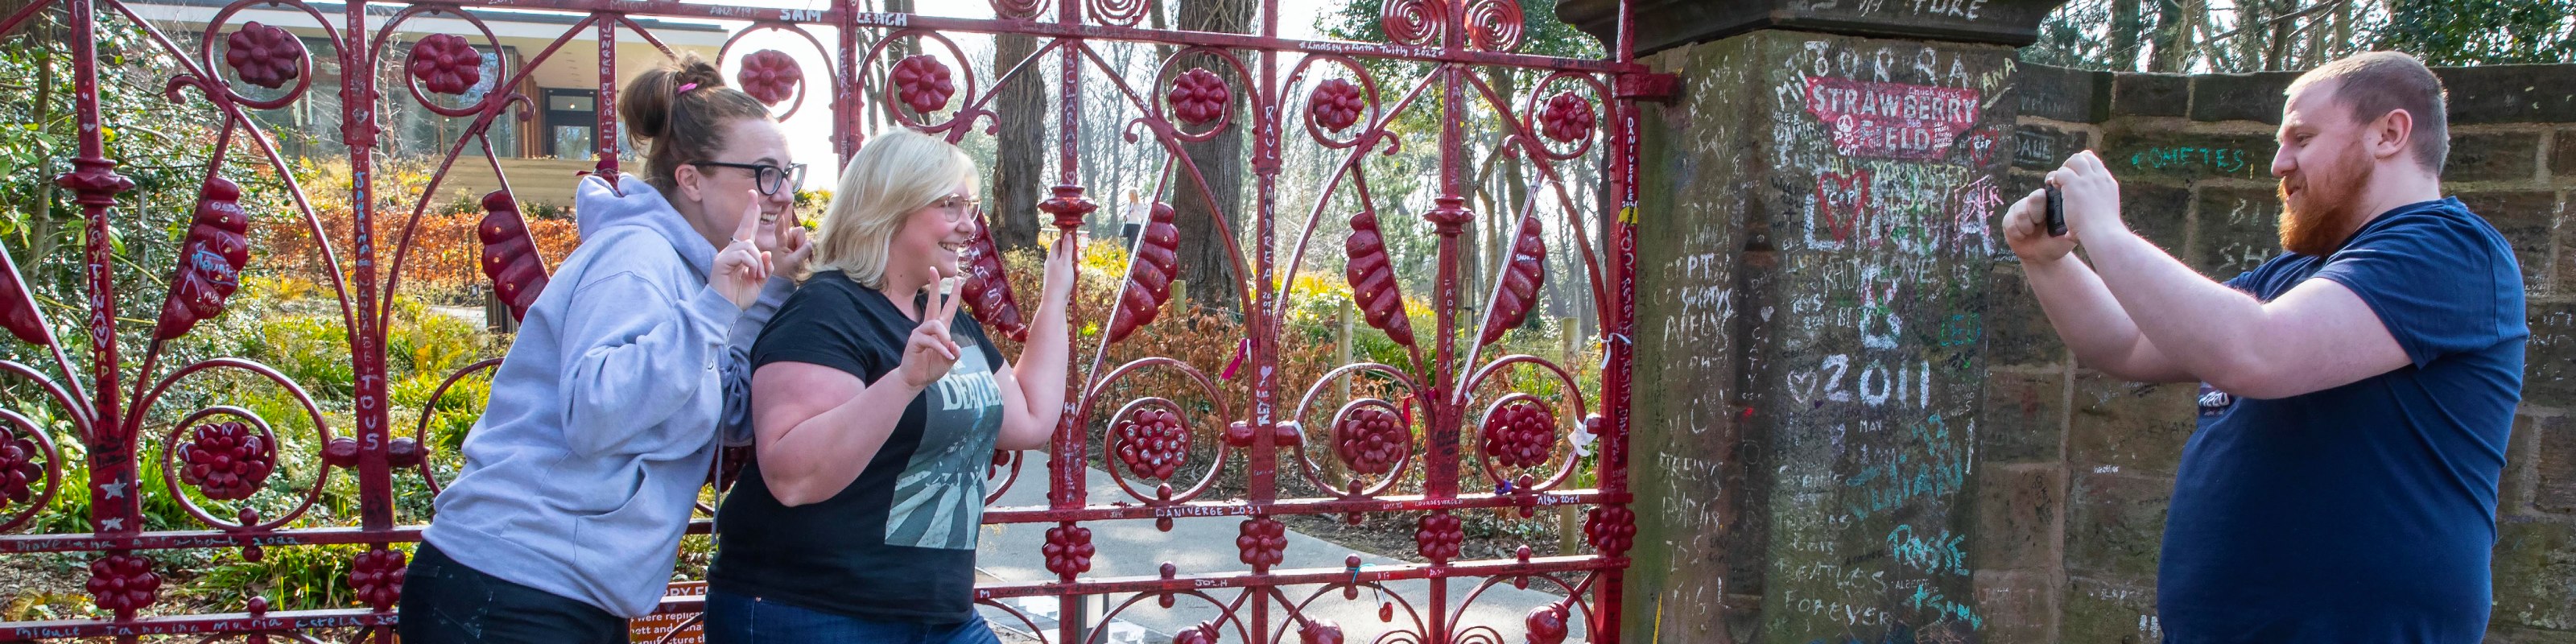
(1204, 545)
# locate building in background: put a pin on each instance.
(541, 153)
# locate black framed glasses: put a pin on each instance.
(769, 178)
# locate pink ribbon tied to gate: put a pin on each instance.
(1240, 350)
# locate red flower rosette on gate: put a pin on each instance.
(446, 64)
(264, 55)
(770, 76)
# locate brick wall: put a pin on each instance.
(1854, 426)
(2193, 154)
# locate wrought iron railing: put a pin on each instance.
(1454, 436)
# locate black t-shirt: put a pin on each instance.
(898, 543)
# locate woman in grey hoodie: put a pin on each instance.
(604, 418)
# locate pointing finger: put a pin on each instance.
(750, 224)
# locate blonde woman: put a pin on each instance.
(875, 407)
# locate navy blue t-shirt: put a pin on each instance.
(2363, 513)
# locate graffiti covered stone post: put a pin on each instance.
(1818, 223)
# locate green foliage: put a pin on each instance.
(163, 147)
(2258, 35)
(2482, 32)
(292, 578)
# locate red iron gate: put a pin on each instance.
(1407, 452)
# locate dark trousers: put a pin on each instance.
(444, 602)
(734, 618)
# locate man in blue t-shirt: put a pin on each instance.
(2357, 391)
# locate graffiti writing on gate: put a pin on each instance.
(1891, 120)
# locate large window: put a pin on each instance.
(308, 127)
(572, 123)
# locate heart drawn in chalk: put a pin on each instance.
(1844, 200)
(1802, 385)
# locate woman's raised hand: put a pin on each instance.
(1061, 258)
(741, 267)
(930, 352)
(790, 247)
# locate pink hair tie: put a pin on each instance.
(684, 88)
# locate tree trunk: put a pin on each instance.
(1020, 148)
(1203, 257)
(2124, 35)
(2175, 20)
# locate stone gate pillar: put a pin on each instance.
(1815, 234)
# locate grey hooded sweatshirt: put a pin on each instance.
(605, 415)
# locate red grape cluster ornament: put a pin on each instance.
(1521, 433)
(227, 460)
(123, 582)
(1371, 440)
(1153, 442)
(378, 577)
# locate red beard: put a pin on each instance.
(2329, 207)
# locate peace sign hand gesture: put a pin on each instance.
(742, 267)
(930, 351)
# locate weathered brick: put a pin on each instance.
(2043, 148)
(2499, 633)
(2508, 93)
(2492, 156)
(2526, 218)
(2018, 606)
(2186, 155)
(2514, 494)
(2024, 418)
(2239, 97)
(2162, 214)
(2137, 428)
(2562, 155)
(2549, 359)
(2535, 562)
(2110, 608)
(2017, 331)
(2554, 465)
(2115, 524)
(2021, 509)
(2150, 95)
(2063, 94)
(2239, 230)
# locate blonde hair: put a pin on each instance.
(893, 175)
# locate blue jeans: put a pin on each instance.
(734, 618)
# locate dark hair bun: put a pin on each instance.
(679, 127)
(647, 103)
